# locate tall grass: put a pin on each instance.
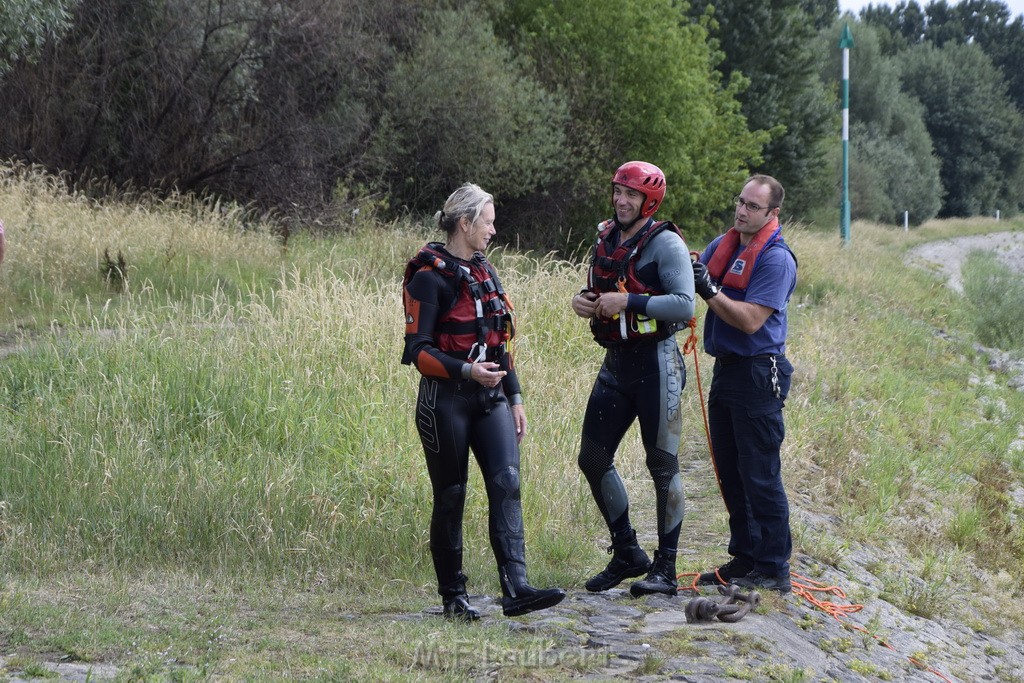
(997, 297)
(176, 252)
(244, 410)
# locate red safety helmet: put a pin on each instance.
(644, 178)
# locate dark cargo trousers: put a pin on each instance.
(745, 420)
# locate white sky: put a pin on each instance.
(1016, 6)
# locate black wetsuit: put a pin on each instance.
(643, 380)
(455, 414)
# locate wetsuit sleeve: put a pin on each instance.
(669, 252)
(510, 382)
(425, 297)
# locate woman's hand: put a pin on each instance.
(487, 374)
(519, 420)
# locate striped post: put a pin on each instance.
(845, 43)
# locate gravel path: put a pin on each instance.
(946, 256)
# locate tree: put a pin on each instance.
(459, 106)
(973, 124)
(256, 100)
(904, 23)
(25, 25)
(986, 23)
(640, 83)
(822, 13)
(893, 167)
(991, 25)
(770, 44)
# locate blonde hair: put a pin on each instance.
(469, 201)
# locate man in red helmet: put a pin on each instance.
(639, 293)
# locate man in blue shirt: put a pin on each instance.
(747, 276)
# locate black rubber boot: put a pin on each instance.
(455, 601)
(628, 560)
(661, 578)
(451, 584)
(519, 597)
(457, 608)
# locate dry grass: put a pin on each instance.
(240, 412)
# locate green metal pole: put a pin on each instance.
(845, 43)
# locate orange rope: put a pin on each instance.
(807, 588)
(690, 346)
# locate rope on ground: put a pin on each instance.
(809, 590)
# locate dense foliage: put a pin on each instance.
(893, 167)
(314, 108)
(982, 167)
(772, 45)
(640, 85)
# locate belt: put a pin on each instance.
(732, 359)
(494, 354)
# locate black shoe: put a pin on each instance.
(733, 569)
(628, 560)
(519, 597)
(760, 581)
(457, 608)
(661, 578)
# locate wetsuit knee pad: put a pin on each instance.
(451, 498)
(594, 459)
(508, 507)
(662, 465)
(507, 479)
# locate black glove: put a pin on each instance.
(706, 287)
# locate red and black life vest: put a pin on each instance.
(480, 320)
(613, 269)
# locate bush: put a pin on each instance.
(461, 108)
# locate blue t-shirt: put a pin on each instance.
(771, 284)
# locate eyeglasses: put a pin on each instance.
(750, 206)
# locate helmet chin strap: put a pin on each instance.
(626, 228)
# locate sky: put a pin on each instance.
(1016, 6)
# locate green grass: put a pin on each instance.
(220, 459)
(997, 297)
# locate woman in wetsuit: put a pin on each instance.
(458, 322)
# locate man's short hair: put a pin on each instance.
(776, 192)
